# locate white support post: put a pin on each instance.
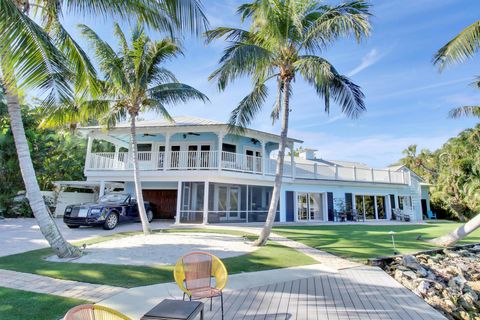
(336, 172)
(292, 160)
(376, 207)
(101, 190)
(166, 155)
(403, 177)
(373, 175)
(116, 155)
(264, 159)
(220, 143)
(179, 202)
(315, 170)
(354, 173)
(88, 157)
(389, 176)
(205, 202)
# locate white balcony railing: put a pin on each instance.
(229, 161)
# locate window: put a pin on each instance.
(405, 202)
(371, 207)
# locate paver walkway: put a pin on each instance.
(64, 288)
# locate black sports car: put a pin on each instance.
(110, 209)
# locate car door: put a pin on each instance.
(132, 209)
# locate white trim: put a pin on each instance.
(205, 201)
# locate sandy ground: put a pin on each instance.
(161, 248)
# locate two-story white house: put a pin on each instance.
(195, 171)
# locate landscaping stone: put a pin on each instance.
(449, 281)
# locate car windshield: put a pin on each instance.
(113, 197)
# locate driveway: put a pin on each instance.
(23, 234)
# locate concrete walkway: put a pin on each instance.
(64, 288)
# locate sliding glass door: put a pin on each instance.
(309, 206)
(370, 207)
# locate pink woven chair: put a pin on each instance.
(94, 312)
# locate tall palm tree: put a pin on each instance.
(42, 57)
(462, 47)
(280, 45)
(136, 81)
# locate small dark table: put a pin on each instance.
(175, 310)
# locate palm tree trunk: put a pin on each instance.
(47, 224)
(458, 234)
(136, 177)
(272, 210)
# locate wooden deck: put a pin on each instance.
(355, 293)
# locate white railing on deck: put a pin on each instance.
(229, 161)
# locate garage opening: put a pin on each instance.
(164, 201)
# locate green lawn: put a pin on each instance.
(272, 256)
(18, 304)
(366, 241)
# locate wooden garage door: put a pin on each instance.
(165, 202)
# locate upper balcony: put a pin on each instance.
(237, 162)
(192, 144)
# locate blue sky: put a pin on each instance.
(407, 98)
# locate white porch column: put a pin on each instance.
(101, 190)
(179, 202)
(166, 155)
(376, 207)
(220, 143)
(264, 158)
(115, 156)
(89, 153)
(205, 202)
(292, 160)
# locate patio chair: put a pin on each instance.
(431, 215)
(193, 274)
(94, 312)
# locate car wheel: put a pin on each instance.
(72, 226)
(149, 215)
(111, 221)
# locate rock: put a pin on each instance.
(475, 285)
(411, 262)
(475, 249)
(457, 282)
(422, 288)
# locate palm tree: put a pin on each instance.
(32, 57)
(458, 50)
(280, 45)
(136, 81)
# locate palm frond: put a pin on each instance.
(246, 110)
(460, 48)
(330, 84)
(157, 106)
(241, 59)
(29, 59)
(174, 93)
(110, 64)
(465, 111)
(333, 22)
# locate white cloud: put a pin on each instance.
(372, 57)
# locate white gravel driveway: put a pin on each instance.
(21, 235)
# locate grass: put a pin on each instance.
(272, 256)
(361, 242)
(18, 304)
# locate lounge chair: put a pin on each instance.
(193, 274)
(94, 312)
(431, 215)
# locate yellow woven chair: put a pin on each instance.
(193, 274)
(94, 312)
